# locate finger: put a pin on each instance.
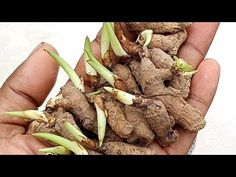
(29, 84)
(21, 144)
(9, 130)
(204, 85)
(200, 37)
(203, 89)
(157, 149)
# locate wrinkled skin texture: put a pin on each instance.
(75, 102)
(151, 81)
(168, 43)
(14, 138)
(158, 27)
(181, 83)
(142, 134)
(116, 118)
(57, 119)
(119, 148)
(124, 73)
(161, 123)
(162, 60)
(79, 106)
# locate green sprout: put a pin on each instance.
(115, 44)
(122, 96)
(182, 65)
(105, 42)
(71, 145)
(58, 150)
(101, 119)
(28, 114)
(88, 69)
(78, 83)
(103, 71)
(77, 133)
(190, 74)
(145, 37)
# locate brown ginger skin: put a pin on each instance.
(111, 135)
(56, 125)
(91, 152)
(61, 117)
(135, 67)
(84, 114)
(116, 117)
(150, 75)
(181, 83)
(151, 80)
(158, 27)
(185, 115)
(124, 73)
(79, 106)
(158, 119)
(168, 43)
(142, 134)
(162, 60)
(120, 148)
(41, 127)
(129, 47)
(155, 112)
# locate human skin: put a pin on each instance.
(21, 91)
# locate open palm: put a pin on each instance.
(22, 91)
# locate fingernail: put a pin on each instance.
(36, 48)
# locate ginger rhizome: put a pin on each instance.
(139, 91)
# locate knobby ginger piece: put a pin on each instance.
(185, 115)
(77, 104)
(168, 43)
(158, 119)
(55, 125)
(120, 148)
(135, 68)
(152, 79)
(84, 114)
(181, 83)
(124, 73)
(116, 117)
(158, 27)
(142, 134)
(162, 60)
(160, 122)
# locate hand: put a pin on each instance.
(25, 89)
(22, 91)
(204, 82)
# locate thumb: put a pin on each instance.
(28, 86)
